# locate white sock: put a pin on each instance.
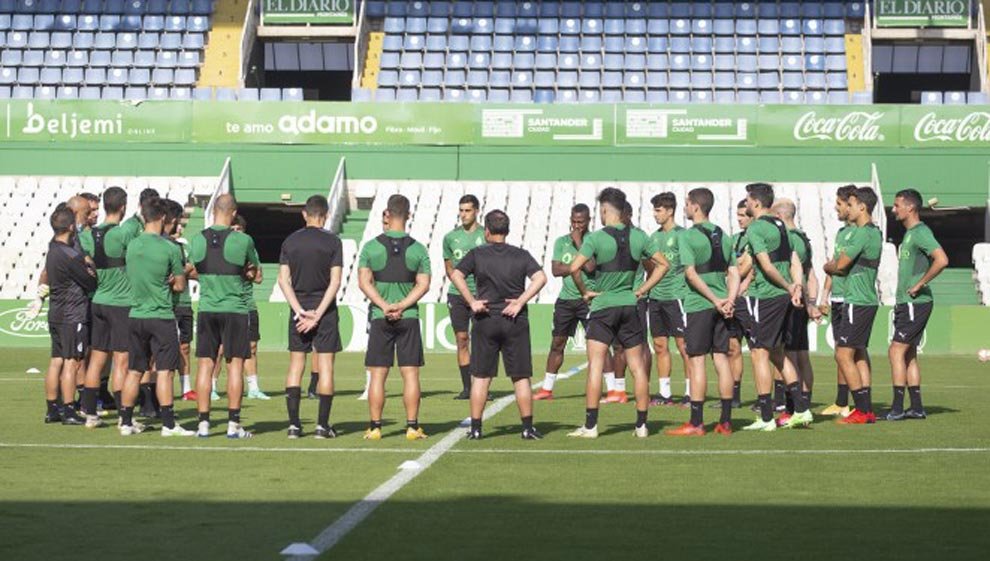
(687, 386)
(620, 385)
(186, 386)
(214, 385)
(610, 381)
(665, 387)
(367, 380)
(252, 381)
(549, 381)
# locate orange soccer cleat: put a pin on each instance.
(543, 395)
(687, 429)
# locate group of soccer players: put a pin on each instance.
(120, 291)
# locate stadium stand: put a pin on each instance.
(26, 202)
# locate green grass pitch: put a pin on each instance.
(897, 491)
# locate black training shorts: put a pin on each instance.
(110, 330)
(667, 318)
(254, 326)
(184, 319)
(393, 343)
(222, 328)
(324, 338)
(707, 331)
(853, 326)
(567, 314)
(741, 321)
(910, 320)
(796, 334)
(619, 324)
(837, 308)
(156, 339)
(493, 334)
(769, 320)
(69, 340)
(460, 313)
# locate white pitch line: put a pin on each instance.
(773, 452)
(333, 533)
(201, 448)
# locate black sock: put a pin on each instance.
(915, 394)
(154, 397)
(861, 398)
(779, 389)
(475, 424)
(842, 395)
(313, 379)
(68, 411)
(726, 415)
(412, 424)
(794, 393)
(79, 395)
(527, 422)
(806, 396)
(869, 398)
(376, 425)
(640, 417)
(466, 377)
(127, 416)
(233, 415)
(897, 405)
(323, 418)
(697, 413)
(736, 391)
(766, 407)
(789, 404)
(293, 395)
(590, 418)
(118, 400)
(204, 417)
(52, 406)
(147, 391)
(89, 401)
(168, 416)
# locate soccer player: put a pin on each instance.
(182, 301)
(456, 244)
(394, 273)
(93, 200)
(772, 294)
(222, 259)
(920, 259)
(666, 303)
(617, 251)
(501, 319)
(832, 297)
(254, 330)
(858, 262)
(713, 278)
(739, 321)
(796, 344)
(310, 265)
(71, 280)
(154, 271)
(570, 309)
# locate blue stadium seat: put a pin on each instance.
(701, 81)
(793, 97)
(723, 27)
(521, 96)
(815, 45)
(546, 61)
(411, 59)
(431, 78)
(567, 79)
(10, 58)
(414, 25)
(680, 62)
(50, 76)
(770, 97)
(414, 42)
(292, 94)
(791, 80)
(568, 61)
(89, 92)
(834, 63)
(768, 80)
(701, 27)
(525, 43)
(170, 41)
(28, 76)
(657, 27)
(747, 28)
(656, 96)
(816, 97)
(431, 60)
(835, 45)
(454, 79)
(634, 79)
(117, 77)
(33, 58)
(477, 78)
(95, 76)
(524, 61)
(656, 80)
(680, 27)
(701, 62)
(725, 80)
(73, 76)
(185, 77)
(546, 44)
(611, 96)
(635, 45)
(746, 45)
(725, 62)
(65, 22)
(854, 10)
(135, 93)
(361, 94)
(976, 98)
(8, 76)
(680, 96)
(502, 43)
(543, 96)
(67, 92)
(834, 10)
(55, 59)
(725, 96)
(122, 59)
(701, 96)
(44, 92)
(590, 79)
(657, 61)
(769, 62)
(681, 45)
(437, 25)
(812, 27)
(747, 97)
(545, 79)
(746, 80)
(681, 80)
(817, 81)
(836, 81)
(501, 61)
(148, 41)
(198, 24)
(392, 43)
(767, 27)
(792, 45)
(768, 45)
(430, 94)
(792, 63)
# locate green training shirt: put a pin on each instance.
(114, 289)
(564, 250)
(865, 246)
(695, 249)
(802, 249)
(673, 285)
(456, 244)
(150, 260)
(764, 237)
(374, 256)
(182, 299)
(842, 239)
(914, 256)
(224, 293)
(615, 288)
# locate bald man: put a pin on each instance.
(223, 259)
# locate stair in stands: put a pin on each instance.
(354, 225)
(854, 62)
(955, 287)
(372, 61)
(221, 62)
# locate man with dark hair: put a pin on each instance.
(94, 208)
(222, 259)
(181, 301)
(254, 327)
(155, 272)
(394, 273)
(456, 244)
(858, 262)
(310, 267)
(772, 294)
(501, 320)
(666, 303)
(920, 259)
(71, 281)
(615, 364)
(570, 309)
(617, 251)
(714, 280)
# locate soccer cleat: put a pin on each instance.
(779, 408)
(373, 434)
(363, 396)
(641, 431)
(149, 413)
(737, 404)
(871, 417)
(543, 395)
(915, 414)
(177, 430)
(685, 401)
(93, 421)
(465, 394)
(659, 400)
(724, 429)
(783, 418)
(892, 416)
(799, 420)
(755, 407)
(490, 397)
(857, 417)
(203, 430)
(615, 396)
(474, 434)
(71, 418)
(687, 429)
(235, 431)
(53, 417)
(322, 433)
(762, 426)
(258, 394)
(189, 396)
(584, 432)
(294, 432)
(833, 410)
(531, 434)
(128, 430)
(214, 396)
(311, 394)
(415, 433)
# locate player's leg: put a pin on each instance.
(94, 369)
(726, 392)
(376, 401)
(700, 331)
(314, 378)
(215, 374)
(70, 367)
(845, 358)
(897, 353)
(165, 347)
(293, 390)
(208, 343)
(463, 363)
(736, 366)
(864, 364)
(917, 409)
(379, 357)
(841, 404)
(597, 353)
(566, 316)
(631, 334)
(146, 397)
(682, 350)
(615, 370)
(119, 375)
(662, 358)
(139, 360)
(53, 384)
(480, 384)
(524, 399)
(517, 356)
(325, 390)
(409, 357)
(251, 364)
(555, 359)
(188, 393)
(411, 395)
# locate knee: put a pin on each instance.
(462, 341)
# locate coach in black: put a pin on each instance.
(501, 321)
(310, 266)
(71, 281)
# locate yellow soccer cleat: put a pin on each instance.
(832, 410)
(373, 434)
(414, 434)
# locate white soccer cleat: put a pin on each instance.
(583, 432)
(203, 430)
(128, 430)
(762, 426)
(177, 430)
(363, 396)
(641, 432)
(93, 422)
(236, 431)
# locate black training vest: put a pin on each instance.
(716, 263)
(783, 252)
(100, 258)
(623, 261)
(806, 262)
(395, 269)
(863, 262)
(214, 262)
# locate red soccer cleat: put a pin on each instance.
(724, 429)
(687, 429)
(189, 396)
(857, 417)
(783, 418)
(616, 396)
(543, 395)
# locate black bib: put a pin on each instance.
(716, 263)
(623, 261)
(214, 262)
(783, 252)
(806, 262)
(100, 258)
(395, 269)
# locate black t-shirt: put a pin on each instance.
(310, 253)
(70, 282)
(500, 271)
